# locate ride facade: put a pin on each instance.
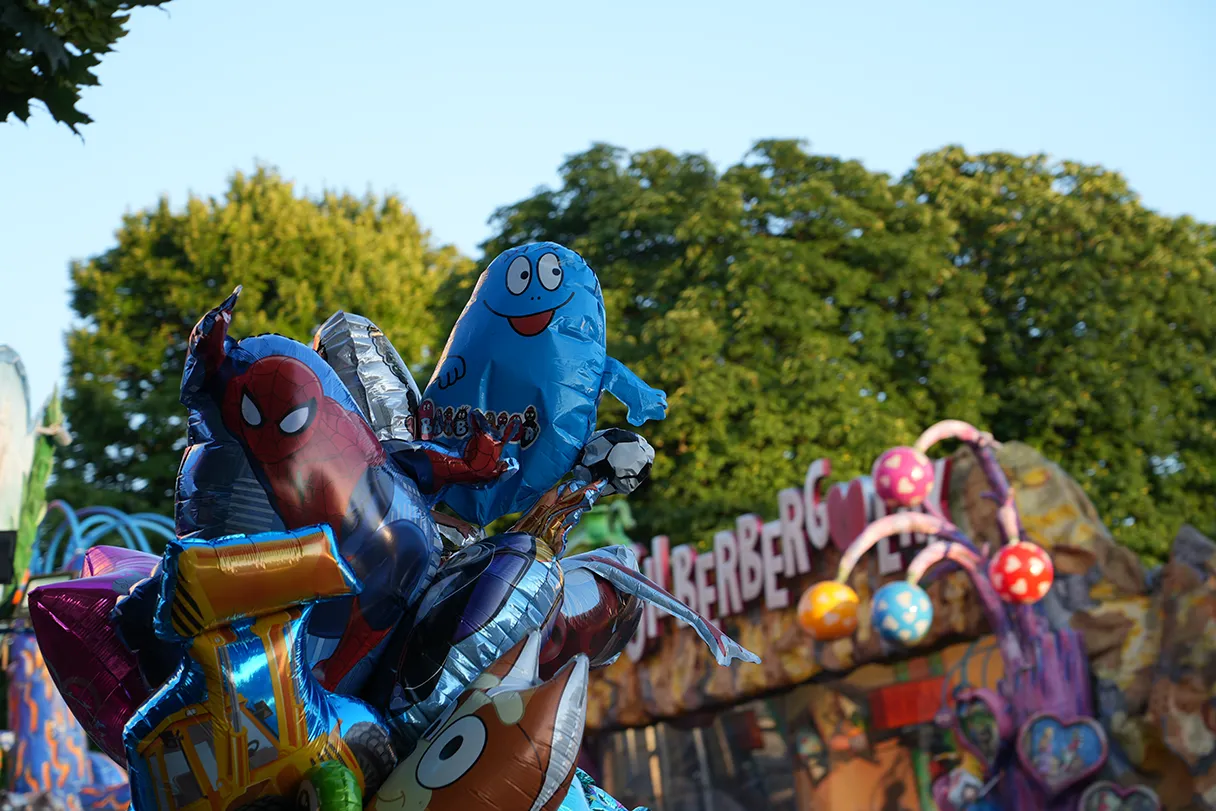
(318, 633)
(1036, 737)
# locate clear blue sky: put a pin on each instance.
(462, 107)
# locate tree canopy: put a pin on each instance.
(793, 306)
(48, 49)
(797, 306)
(298, 259)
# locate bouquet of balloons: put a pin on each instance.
(319, 635)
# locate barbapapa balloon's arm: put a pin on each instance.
(451, 369)
(644, 403)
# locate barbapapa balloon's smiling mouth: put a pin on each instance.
(530, 325)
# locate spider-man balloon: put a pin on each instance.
(310, 451)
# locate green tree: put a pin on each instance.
(1099, 320)
(606, 524)
(794, 307)
(798, 306)
(48, 49)
(298, 259)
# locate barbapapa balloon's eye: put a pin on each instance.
(452, 753)
(549, 269)
(297, 419)
(519, 273)
(249, 411)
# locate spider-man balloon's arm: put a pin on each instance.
(433, 468)
(208, 346)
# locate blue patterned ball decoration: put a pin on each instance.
(902, 613)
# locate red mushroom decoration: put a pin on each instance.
(1021, 573)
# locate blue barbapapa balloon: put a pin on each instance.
(531, 344)
(902, 613)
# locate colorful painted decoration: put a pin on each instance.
(981, 724)
(531, 345)
(1021, 572)
(903, 477)
(828, 610)
(50, 752)
(1061, 753)
(903, 613)
(1106, 796)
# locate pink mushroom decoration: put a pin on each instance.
(903, 477)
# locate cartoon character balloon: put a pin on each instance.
(531, 343)
(275, 408)
(510, 742)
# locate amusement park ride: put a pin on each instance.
(1035, 736)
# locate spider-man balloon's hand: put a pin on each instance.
(482, 460)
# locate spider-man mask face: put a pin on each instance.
(273, 406)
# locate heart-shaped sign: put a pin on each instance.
(981, 724)
(1059, 753)
(847, 508)
(1106, 796)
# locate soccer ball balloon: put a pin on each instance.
(619, 457)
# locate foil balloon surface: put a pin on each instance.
(288, 417)
(594, 619)
(98, 676)
(373, 372)
(486, 599)
(244, 718)
(585, 795)
(530, 345)
(509, 742)
(618, 567)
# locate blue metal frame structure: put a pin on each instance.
(75, 531)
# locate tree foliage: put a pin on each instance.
(1099, 330)
(298, 260)
(793, 306)
(48, 49)
(799, 306)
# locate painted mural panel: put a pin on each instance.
(863, 742)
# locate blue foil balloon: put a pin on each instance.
(243, 717)
(585, 795)
(531, 344)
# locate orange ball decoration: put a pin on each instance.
(828, 611)
(1021, 573)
